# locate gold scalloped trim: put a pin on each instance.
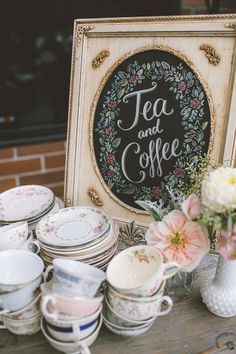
(156, 18)
(98, 93)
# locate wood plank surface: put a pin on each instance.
(189, 329)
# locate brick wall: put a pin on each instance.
(33, 164)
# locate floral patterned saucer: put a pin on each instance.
(72, 226)
(25, 203)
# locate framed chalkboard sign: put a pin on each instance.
(147, 96)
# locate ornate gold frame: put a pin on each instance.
(84, 29)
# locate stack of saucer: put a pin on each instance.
(29, 203)
(70, 305)
(78, 233)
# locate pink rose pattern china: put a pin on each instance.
(24, 202)
(72, 226)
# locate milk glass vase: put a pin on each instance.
(219, 294)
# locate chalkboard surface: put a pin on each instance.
(152, 117)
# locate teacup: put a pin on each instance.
(120, 320)
(76, 332)
(142, 268)
(117, 328)
(12, 236)
(138, 308)
(18, 268)
(71, 347)
(74, 278)
(68, 321)
(30, 244)
(54, 305)
(30, 310)
(16, 300)
(22, 327)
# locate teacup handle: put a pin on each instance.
(169, 270)
(169, 302)
(3, 312)
(34, 242)
(47, 271)
(2, 326)
(44, 304)
(82, 349)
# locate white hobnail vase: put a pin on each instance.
(219, 294)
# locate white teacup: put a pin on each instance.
(138, 308)
(23, 327)
(74, 278)
(58, 306)
(30, 310)
(18, 268)
(81, 347)
(16, 300)
(13, 236)
(139, 271)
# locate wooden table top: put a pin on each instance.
(189, 329)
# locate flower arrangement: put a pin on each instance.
(219, 207)
(180, 229)
(178, 237)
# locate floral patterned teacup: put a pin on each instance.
(138, 308)
(74, 278)
(139, 271)
(13, 236)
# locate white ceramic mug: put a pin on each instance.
(142, 268)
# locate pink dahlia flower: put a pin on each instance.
(180, 240)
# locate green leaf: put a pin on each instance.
(140, 72)
(101, 141)
(149, 208)
(120, 93)
(116, 142)
(205, 124)
(123, 82)
(128, 190)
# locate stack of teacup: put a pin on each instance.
(135, 293)
(21, 273)
(71, 306)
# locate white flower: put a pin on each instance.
(219, 190)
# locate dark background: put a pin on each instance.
(36, 39)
